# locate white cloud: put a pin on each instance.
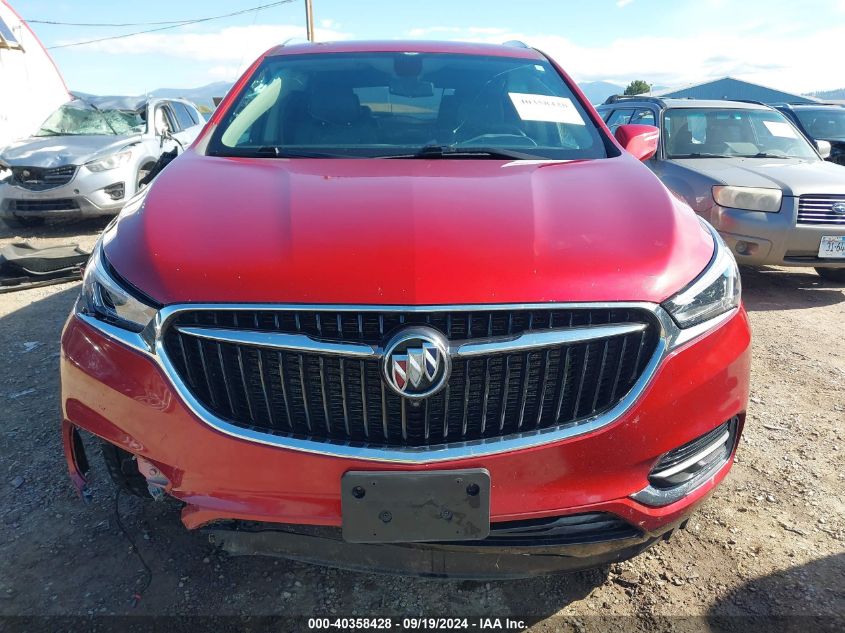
(231, 47)
(623, 3)
(778, 58)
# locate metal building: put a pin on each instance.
(733, 89)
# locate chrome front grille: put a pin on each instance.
(818, 209)
(40, 179)
(342, 398)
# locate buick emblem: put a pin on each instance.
(416, 362)
(839, 208)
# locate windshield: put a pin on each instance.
(409, 105)
(725, 133)
(78, 118)
(823, 123)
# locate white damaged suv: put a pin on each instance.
(91, 155)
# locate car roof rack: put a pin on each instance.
(516, 43)
(812, 104)
(752, 101)
(617, 98)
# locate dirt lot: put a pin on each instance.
(770, 541)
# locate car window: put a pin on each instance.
(165, 120)
(389, 104)
(183, 116)
(726, 133)
(619, 117)
(643, 116)
(823, 123)
(80, 118)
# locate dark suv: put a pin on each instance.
(820, 122)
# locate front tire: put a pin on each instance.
(836, 275)
(124, 472)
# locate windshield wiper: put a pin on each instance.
(272, 151)
(700, 155)
(763, 155)
(451, 151)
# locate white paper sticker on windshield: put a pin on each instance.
(779, 128)
(531, 107)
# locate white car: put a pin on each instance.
(90, 155)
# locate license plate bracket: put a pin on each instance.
(413, 507)
(832, 247)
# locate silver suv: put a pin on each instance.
(749, 171)
(90, 155)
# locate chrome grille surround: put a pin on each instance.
(815, 210)
(151, 343)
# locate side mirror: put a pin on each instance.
(638, 140)
(824, 148)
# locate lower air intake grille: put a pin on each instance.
(592, 527)
(58, 204)
(332, 398)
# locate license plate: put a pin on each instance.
(413, 507)
(832, 246)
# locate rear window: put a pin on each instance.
(387, 104)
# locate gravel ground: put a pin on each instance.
(770, 541)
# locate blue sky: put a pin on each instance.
(782, 43)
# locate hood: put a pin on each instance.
(55, 151)
(795, 177)
(407, 232)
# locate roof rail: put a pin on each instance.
(808, 103)
(752, 101)
(516, 43)
(617, 98)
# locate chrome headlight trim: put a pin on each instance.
(108, 300)
(700, 302)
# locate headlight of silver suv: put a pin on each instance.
(715, 291)
(110, 162)
(748, 198)
(106, 299)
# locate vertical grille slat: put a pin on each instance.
(304, 387)
(338, 398)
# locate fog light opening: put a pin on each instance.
(115, 191)
(683, 469)
(689, 461)
(746, 248)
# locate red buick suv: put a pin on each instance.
(410, 307)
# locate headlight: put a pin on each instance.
(109, 162)
(715, 291)
(106, 299)
(749, 198)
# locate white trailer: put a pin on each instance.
(31, 86)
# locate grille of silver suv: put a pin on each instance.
(819, 209)
(40, 179)
(332, 398)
